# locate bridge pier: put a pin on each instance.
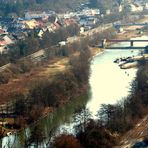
(103, 44)
(131, 43)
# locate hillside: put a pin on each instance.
(19, 6)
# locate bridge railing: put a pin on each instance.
(105, 41)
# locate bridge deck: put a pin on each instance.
(124, 47)
(132, 24)
(114, 40)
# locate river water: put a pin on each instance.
(108, 84)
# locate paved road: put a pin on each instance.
(2, 68)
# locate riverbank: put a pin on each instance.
(137, 135)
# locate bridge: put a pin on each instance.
(105, 41)
(131, 24)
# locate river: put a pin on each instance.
(108, 84)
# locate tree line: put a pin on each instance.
(18, 7)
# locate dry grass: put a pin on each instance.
(58, 66)
(22, 82)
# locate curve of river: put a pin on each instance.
(108, 84)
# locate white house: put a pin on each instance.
(146, 6)
(134, 8)
(108, 12)
(120, 8)
(37, 14)
(62, 43)
(90, 12)
(82, 30)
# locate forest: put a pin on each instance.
(18, 7)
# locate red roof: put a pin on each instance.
(69, 21)
(57, 25)
(2, 43)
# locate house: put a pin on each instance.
(3, 32)
(95, 12)
(37, 14)
(19, 35)
(3, 50)
(91, 21)
(62, 43)
(20, 25)
(133, 8)
(40, 34)
(88, 21)
(50, 28)
(31, 24)
(90, 12)
(69, 21)
(83, 22)
(56, 26)
(120, 8)
(146, 6)
(108, 12)
(139, 7)
(4, 42)
(82, 30)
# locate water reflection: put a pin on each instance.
(108, 82)
(50, 125)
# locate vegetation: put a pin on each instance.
(19, 6)
(11, 7)
(104, 5)
(37, 136)
(95, 136)
(117, 118)
(89, 133)
(66, 141)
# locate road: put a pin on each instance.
(2, 68)
(89, 33)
